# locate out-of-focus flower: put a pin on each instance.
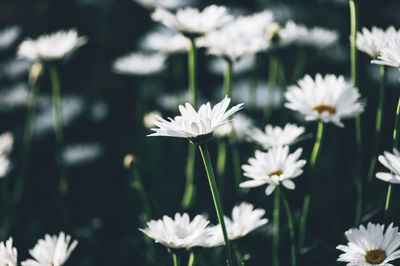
(98, 111)
(76, 154)
(242, 65)
(390, 55)
(15, 97)
(241, 127)
(371, 246)
(180, 232)
(171, 101)
(191, 22)
(260, 96)
(277, 136)
(52, 46)
(8, 36)
(165, 41)
(139, 64)
(392, 162)
(51, 251)
(8, 253)
(328, 99)
(14, 68)
(274, 168)
(168, 4)
(149, 118)
(299, 34)
(372, 42)
(196, 126)
(6, 144)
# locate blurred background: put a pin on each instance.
(103, 121)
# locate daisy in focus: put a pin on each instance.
(180, 232)
(371, 246)
(390, 55)
(277, 136)
(139, 64)
(274, 168)
(191, 22)
(51, 251)
(8, 253)
(52, 46)
(196, 126)
(372, 42)
(329, 99)
(392, 162)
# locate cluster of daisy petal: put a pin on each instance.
(52, 250)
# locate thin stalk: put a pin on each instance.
(236, 165)
(137, 184)
(291, 228)
(221, 162)
(228, 78)
(192, 66)
(275, 240)
(387, 204)
(58, 124)
(238, 255)
(190, 189)
(217, 201)
(176, 259)
(378, 123)
(307, 197)
(192, 259)
(300, 65)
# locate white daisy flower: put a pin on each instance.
(299, 34)
(5, 166)
(14, 68)
(241, 127)
(196, 126)
(390, 55)
(392, 162)
(139, 64)
(165, 41)
(77, 154)
(371, 246)
(372, 42)
(168, 4)
(6, 143)
(180, 232)
(51, 47)
(328, 98)
(277, 136)
(8, 36)
(51, 251)
(8, 253)
(191, 22)
(274, 168)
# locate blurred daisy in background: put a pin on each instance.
(240, 128)
(180, 232)
(242, 65)
(51, 47)
(139, 64)
(52, 250)
(329, 99)
(372, 42)
(274, 168)
(371, 246)
(191, 22)
(168, 4)
(277, 136)
(6, 144)
(392, 162)
(15, 68)
(8, 36)
(149, 118)
(14, 97)
(8, 253)
(390, 54)
(196, 125)
(165, 41)
(81, 153)
(171, 101)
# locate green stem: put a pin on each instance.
(228, 78)
(300, 65)
(275, 240)
(176, 259)
(217, 201)
(307, 197)
(58, 124)
(236, 165)
(137, 184)
(192, 58)
(291, 228)
(387, 204)
(396, 126)
(238, 255)
(192, 259)
(221, 162)
(358, 211)
(190, 190)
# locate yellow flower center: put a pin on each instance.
(277, 172)
(375, 256)
(324, 108)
